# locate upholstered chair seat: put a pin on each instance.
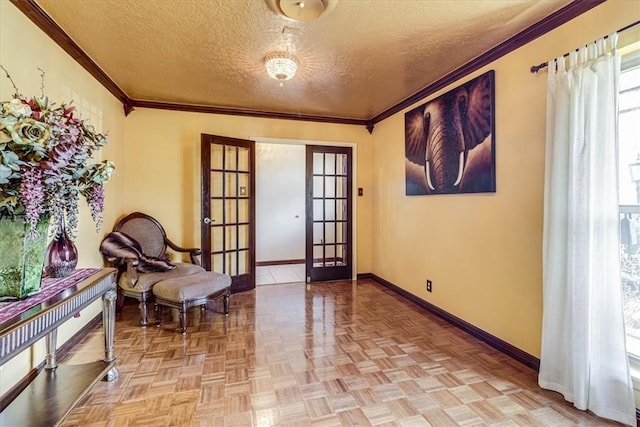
(145, 281)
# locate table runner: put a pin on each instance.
(48, 288)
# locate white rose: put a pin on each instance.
(17, 108)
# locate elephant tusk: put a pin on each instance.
(431, 187)
(460, 169)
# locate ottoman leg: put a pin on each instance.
(225, 302)
(183, 318)
(158, 311)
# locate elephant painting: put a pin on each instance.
(449, 144)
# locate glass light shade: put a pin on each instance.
(281, 66)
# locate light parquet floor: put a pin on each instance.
(332, 354)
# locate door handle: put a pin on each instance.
(208, 220)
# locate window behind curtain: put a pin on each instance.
(629, 194)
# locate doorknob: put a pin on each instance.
(208, 220)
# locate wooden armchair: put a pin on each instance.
(148, 232)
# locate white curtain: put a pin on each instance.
(583, 353)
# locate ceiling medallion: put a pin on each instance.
(281, 66)
(301, 10)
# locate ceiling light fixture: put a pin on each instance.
(301, 10)
(281, 66)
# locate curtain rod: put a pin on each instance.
(535, 68)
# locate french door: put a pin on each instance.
(228, 209)
(328, 205)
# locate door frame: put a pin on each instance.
(354, 189)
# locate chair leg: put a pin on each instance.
(183, 318)
(142, 307)
(158, 312)
(225, 302)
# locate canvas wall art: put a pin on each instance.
(450, 141)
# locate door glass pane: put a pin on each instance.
(330, 254)
(330, 164)
(318, 233)
(341, 254)
(216, 156)
(230, 263)
(230, 234)
(216, 184)
(341, 210)
(217, 243)
(341, 166)
(243, 237)
(243, 210)
(243, 262)
(341, 231)
(216, 211)
(330, 186)
(318, 186)
(217, 263)
(330, 232)
(318, 163)
(230, 160)
(243, 159)
(230, 184)
(318, 257)
(341, 187)
(330, 210)
(318, 210)
(243, 185)
(230, 211)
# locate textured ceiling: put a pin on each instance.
(356, 61)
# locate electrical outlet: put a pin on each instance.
(429, 285)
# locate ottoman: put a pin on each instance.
(191, 291)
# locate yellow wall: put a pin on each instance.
(483, 252)
(23, 48)
(166, 183)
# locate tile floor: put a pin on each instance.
(277, 274)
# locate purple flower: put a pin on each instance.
(32, 193)
(96, 204)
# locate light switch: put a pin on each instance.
(360, 191)
(243, 191)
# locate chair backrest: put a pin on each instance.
(146, 230)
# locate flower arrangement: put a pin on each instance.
(44, 162)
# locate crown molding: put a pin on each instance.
(209, 109)
(39, 17)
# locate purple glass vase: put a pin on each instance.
(61, 256)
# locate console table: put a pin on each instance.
(49, 398)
